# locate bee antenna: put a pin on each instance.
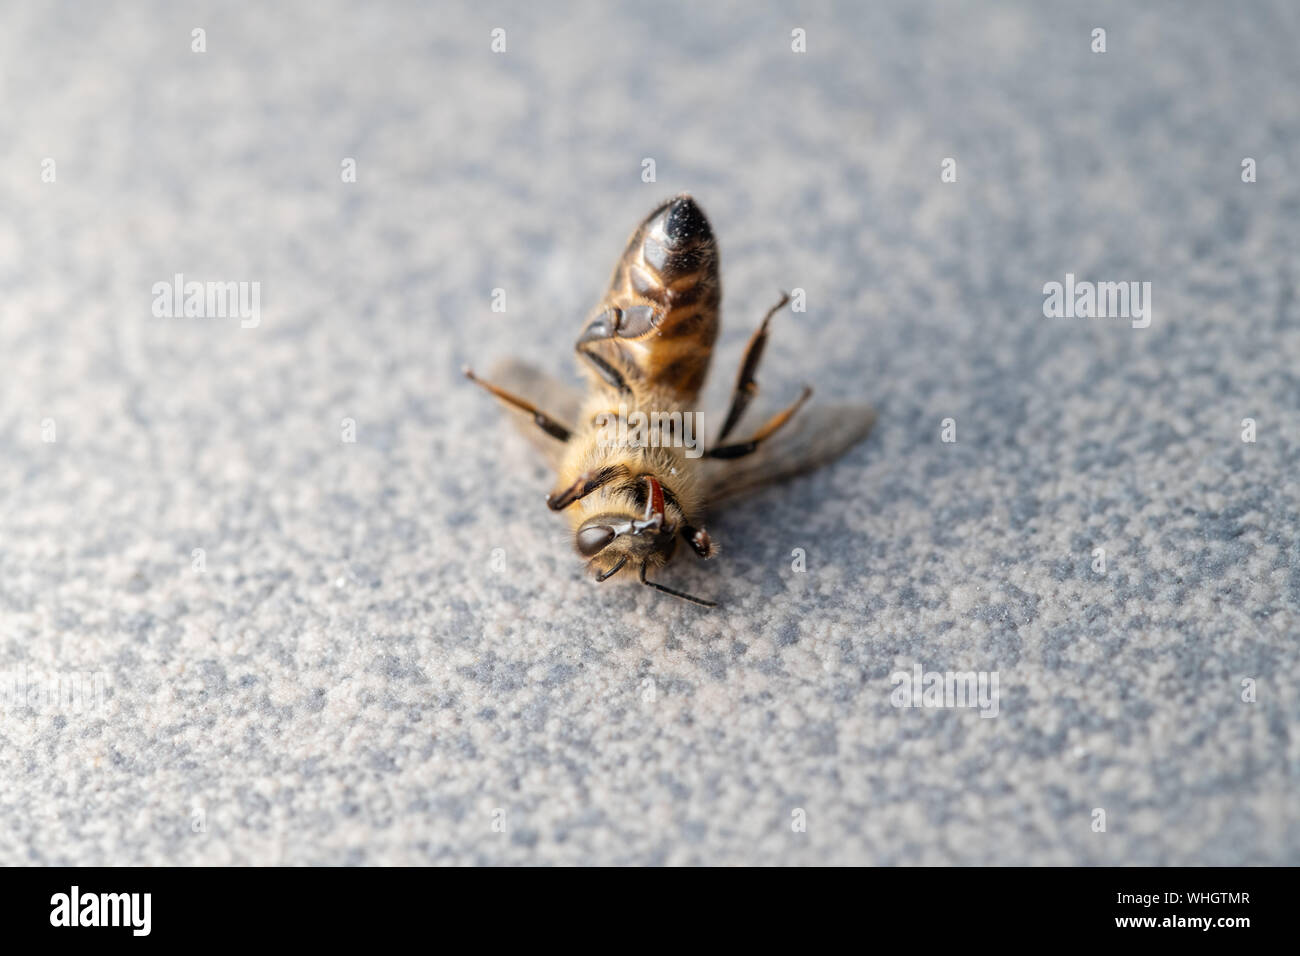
(675, 593)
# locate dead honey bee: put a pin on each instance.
(646, 350)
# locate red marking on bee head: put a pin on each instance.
(654, 505)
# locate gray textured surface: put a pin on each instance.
(350, 681)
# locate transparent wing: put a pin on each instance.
(816, 436)
(548, 393)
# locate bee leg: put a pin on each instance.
(606, 371)
(746, 388)
(741, 449)
(544, 421)
(612, 571)
(586, 483)
(699, 541)
(675, 593)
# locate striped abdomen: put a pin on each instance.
(657, 324)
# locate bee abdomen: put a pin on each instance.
(659, 319)
(677, 258)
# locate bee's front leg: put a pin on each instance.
(583, 485)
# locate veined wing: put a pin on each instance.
(816, 436)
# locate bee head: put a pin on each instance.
(627, 536)
(611, 540)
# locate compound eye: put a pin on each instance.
(592, 538)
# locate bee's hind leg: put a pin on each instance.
(543, 421)
(746, 388)
(740, 449)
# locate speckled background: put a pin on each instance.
(353, 678)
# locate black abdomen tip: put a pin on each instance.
(685, 223)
